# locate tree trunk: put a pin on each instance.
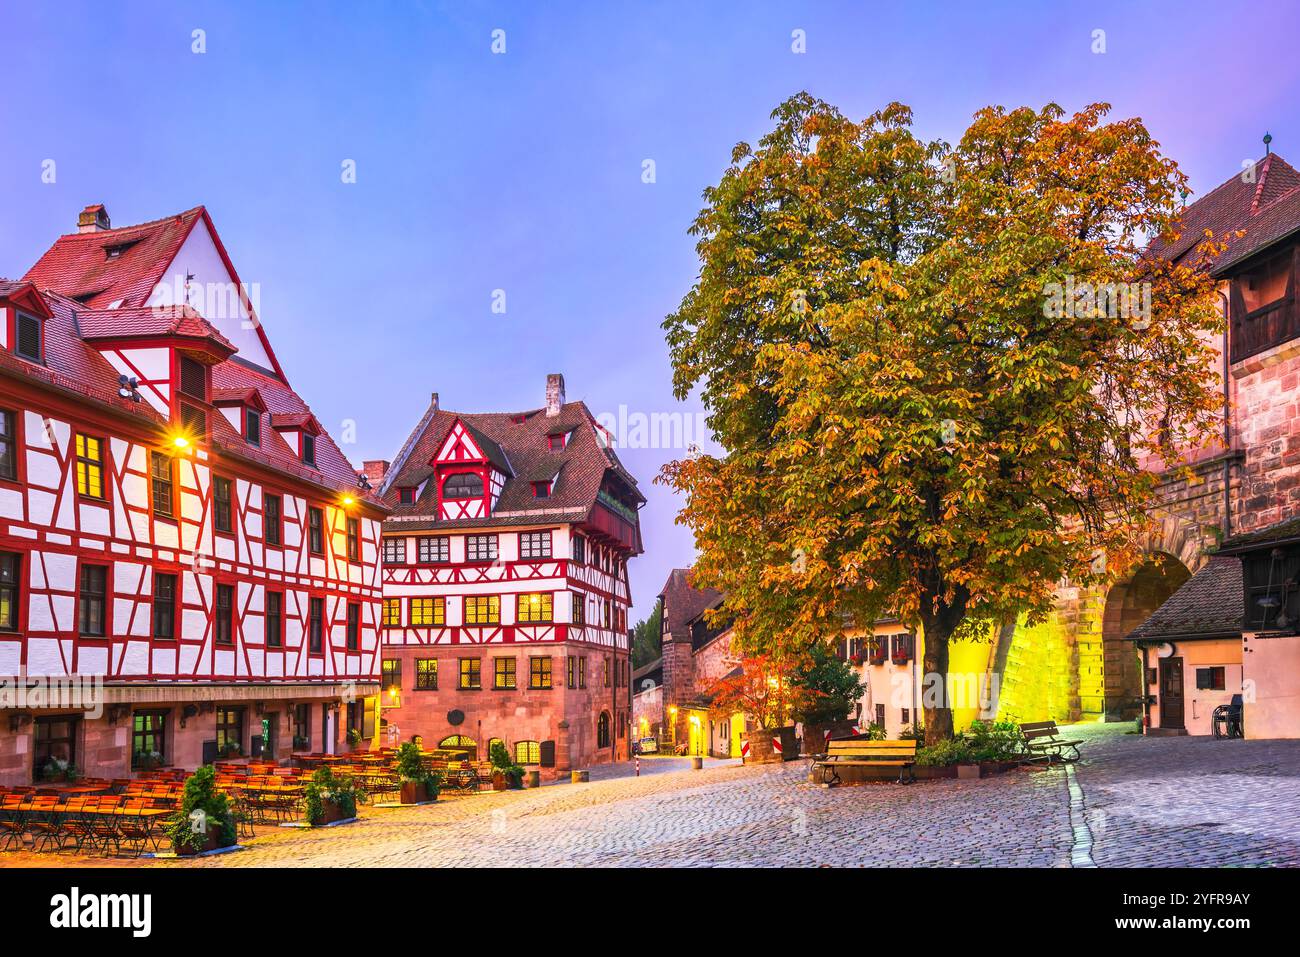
(934, 683)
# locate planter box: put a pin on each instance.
(498, 781)
(330, 812)
(210, 843)
(414, 793)
(931, 774)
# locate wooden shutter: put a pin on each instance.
(29, 337)
(546, 754)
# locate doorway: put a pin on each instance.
(1171, 693)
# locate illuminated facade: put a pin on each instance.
(505, 585)
(176, 529)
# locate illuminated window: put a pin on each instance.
(392, 611)
(90, 466)
(535, 544)
(470, 678)
(503, 674)
(577, 671)
(391, 674)
(578, 606)
(482, 610)
(534, 607)
(230, 728)
(539, 673)
(528, 752)
(428, 611)
(426, 674)
(11, 564)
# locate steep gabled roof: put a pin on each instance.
(515, 442)
(1264, 206)
(79, 265)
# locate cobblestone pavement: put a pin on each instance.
(1144, 801)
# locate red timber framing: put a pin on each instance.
(530, 592)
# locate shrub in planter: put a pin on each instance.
(418, 783)
(354, 738)
(146, 760)
(331, 798)
(216, 827)
(229, 750)
(944, 754)
(504, 769)
(995, 741)
(56, 769)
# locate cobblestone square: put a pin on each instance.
(1139, 802)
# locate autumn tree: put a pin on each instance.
(927, 408)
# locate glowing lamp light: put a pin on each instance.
(180, 442)
(348, 500)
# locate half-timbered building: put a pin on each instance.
(505, 585)
(181, 542)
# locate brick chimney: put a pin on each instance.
(433, 401)
(374, 471)
(93, 219)
(554, 394)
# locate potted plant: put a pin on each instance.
(997, 746)
(329, 798)
(146, 760)
(56, 769)
(418, 783)
(206, 821)
(943, 759)
(229, 750)
(505, 773)
(354, 738)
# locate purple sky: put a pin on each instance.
(523, 171)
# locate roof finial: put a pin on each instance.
(1268, 138)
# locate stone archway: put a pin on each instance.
(1128, 604)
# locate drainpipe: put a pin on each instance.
(1146, 694)
(1227, 422)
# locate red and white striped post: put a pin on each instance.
(638, 765)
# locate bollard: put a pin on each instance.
(579, 777)
(638, 765)
(697, 764)
(532, 779)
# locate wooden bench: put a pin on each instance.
(864, 753)
(1043, 740)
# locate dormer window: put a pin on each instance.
(541, 490)
(463, 485)
(406, 496)
(252, 427)
(309, 449)
(28, 337)
(556, 441)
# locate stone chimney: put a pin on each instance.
(93, 219)
(374, 471)
(554, 394)
(433, 401)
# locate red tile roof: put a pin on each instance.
(78, 263)
(79, 266)
(583, 466)
(150, 322)
(1264, 210)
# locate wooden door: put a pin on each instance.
(1171, 692)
